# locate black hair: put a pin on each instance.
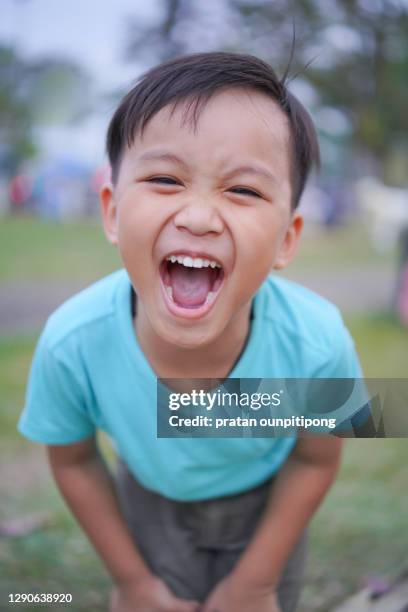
(195, 79)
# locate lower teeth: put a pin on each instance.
(208, 299)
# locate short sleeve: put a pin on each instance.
(55, 407)
(346, 399)
(343, 361)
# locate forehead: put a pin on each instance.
(234, 123)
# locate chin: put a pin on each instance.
(188, 337)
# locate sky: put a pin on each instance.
(91, 32)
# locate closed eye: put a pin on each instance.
(163, 180)
(245, 191)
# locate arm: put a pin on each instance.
(299, 489)
(297, 493)
(86, 485)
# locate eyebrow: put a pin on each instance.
(163, 156)
(245, 169)
(250, 169)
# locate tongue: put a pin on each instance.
(190, 285)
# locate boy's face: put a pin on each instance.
(219, 194)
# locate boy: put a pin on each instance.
(209, 155)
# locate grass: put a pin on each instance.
(15, 358)
(339, 248)
(381, 343)
(361, 526)
(49, 251)
(360, 529)
(32, 249)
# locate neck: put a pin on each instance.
(215, 360)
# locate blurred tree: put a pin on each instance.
(32, 94)
(60, 91)
(15, 123)
(358, 51)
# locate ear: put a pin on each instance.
(290, 242)
(109, 212)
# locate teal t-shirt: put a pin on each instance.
(89, 373)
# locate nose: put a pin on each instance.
(199, 217)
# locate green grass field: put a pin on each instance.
(360, 528)
(44, 250)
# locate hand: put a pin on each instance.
(230, 597)
(148, 595)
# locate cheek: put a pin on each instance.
(139, 222)
(259, 241)
(137, 232)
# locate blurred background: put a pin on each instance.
(63, 68)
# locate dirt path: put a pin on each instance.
(24, 306)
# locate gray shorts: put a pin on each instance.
(193, 545)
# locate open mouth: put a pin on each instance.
(191, 283)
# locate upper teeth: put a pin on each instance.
(193, 262)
